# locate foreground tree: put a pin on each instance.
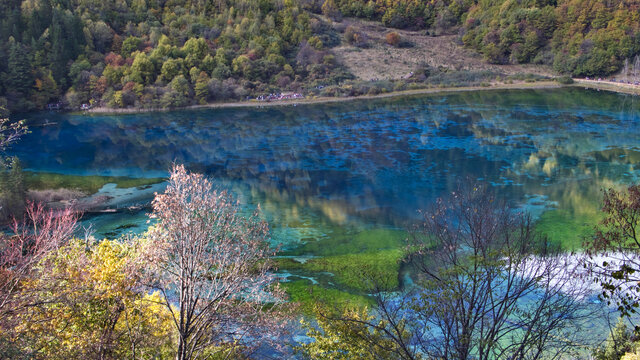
(486, 287)
(88, 305)
(10, 132)
(212, 263)
(490, 285)
(345, 340)
(619, 343)
(12, 192)
(40, 232)
(614, 250)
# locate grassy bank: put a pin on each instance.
(329, 99)
(89, 184)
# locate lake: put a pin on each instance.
(340, 182)
(339, 171)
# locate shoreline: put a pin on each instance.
(322, 100)
(608, 86)
(549, 84)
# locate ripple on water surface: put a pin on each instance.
(365, 164)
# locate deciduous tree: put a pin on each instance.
(614, 259)
(34, 237)
(486, 287)
(212, 263)
(87, 304)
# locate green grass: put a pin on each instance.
(565, 229)
(88, 184)
(308, 295)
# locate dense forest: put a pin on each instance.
(155, 53)
(151, 53)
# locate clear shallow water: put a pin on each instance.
(337, 169)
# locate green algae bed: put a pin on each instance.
(369, 240)
(566, 230)
(353, 262)
(351, 259)
(89, 184)
(353, 271)
(309, 295)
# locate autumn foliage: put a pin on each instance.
(40, 232)
(198, 284)
(212, 262)
(393, 39)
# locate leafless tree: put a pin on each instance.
(211, 265)
(35, 236)
(614, 250)
(308, 55)
(486, 287)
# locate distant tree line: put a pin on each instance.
(12, 186)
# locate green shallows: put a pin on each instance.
(567, 230)
(303, 292)
(89, 184)
(370, 240)
(354, 272)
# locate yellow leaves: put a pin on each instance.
(85, 291)
(151, 319)
(631, 356)
(107, 268)
(337, 339)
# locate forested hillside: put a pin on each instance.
(152, 53)
(156, 53)
(578, 37)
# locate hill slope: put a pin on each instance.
(159, 54)
(581, 37)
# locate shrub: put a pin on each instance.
(354, 37)
(393, 39)
(565, 80)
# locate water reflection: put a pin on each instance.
(362, 163)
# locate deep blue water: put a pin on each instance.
(360, 164)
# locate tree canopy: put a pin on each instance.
(126, 53)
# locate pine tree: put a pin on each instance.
(56, 56)
(19, 78)
(12, 188)
(202, 88)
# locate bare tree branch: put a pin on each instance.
(212, 264)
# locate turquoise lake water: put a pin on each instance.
(338, 169)
(332, 179)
